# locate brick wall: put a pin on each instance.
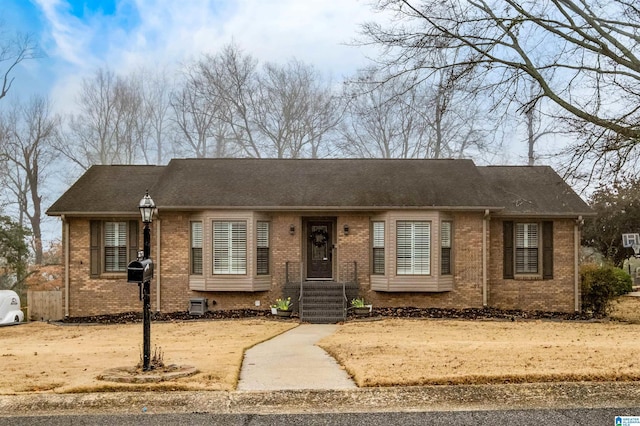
(112, 294)
(467, 272)
(89, 296)
(556, 294)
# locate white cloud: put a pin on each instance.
(167, 33)
(68, 34)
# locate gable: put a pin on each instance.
(533, 191)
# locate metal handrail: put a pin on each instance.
(345, 301)
(300, 300)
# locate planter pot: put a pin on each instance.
(282, 313)
(361, 311)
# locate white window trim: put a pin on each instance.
(236, 261)
(120, 231)
(414, 265)
(538, 247)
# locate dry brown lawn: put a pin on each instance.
(37, 357)
(40, 357)
(420, 352)
(627, 309)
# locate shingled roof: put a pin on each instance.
(533, 191)
(326, 184)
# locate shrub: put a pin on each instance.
(623, 283)
(600, 284)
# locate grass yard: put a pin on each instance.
(38, 357)
(41, 357)
(420, 352)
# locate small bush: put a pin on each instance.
(623, 283)
(598, 288)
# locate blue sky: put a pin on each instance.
(78, 36)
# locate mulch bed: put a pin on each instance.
(404, 312)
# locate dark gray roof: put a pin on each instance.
(534, 191)
(107, 189)
(329, 184)
(334, 183)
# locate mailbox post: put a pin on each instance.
(141, 271)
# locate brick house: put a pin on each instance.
(243, 232)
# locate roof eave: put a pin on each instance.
(561, 215)
(329, 208)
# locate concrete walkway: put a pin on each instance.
(293, 361)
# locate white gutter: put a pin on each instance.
(65, 238)
(485, 220)
(157, 265)
(576, 262)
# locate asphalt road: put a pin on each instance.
(582, 417)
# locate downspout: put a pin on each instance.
(65, 237)
(485, 220)
(157, 265)
(576, 262)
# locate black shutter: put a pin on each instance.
(547, 250)
(133, 240)
(507, 258)
(94, 250)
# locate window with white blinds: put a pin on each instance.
(115, 246)
(413, 248)
(378, 248)
(445, 248)
(230, 248)
(527, 241)
(196, 248)
(262, 247)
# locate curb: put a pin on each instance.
(422, 398)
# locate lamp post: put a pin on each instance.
(147, 207)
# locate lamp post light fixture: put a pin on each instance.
(147, 207)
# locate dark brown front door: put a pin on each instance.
(319, 249)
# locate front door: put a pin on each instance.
(319, 249)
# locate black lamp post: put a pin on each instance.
(147, 207)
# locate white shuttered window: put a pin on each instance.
(115, 246)
(378, 248)
(230, 248)
(527, 248)
(413, 248)
(445, 248)
(262, 247)
(196, 248)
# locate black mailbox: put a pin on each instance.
(140, 271)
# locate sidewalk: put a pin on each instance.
(292, 361)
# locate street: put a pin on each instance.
(581, 416)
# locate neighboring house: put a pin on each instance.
(243, 232)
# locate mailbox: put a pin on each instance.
(140, 271)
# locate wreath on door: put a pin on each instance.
(319, 237)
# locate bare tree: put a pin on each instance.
(396, 117)
(13, 51)
(380, 121)
(230, 82)
(199, 131)
(293, 110)
(157, 90)
(26, 153)
(582, 54)
(112, 125)
(270, 111)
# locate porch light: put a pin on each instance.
(346, 229)
(292, 229)
(147, 206)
